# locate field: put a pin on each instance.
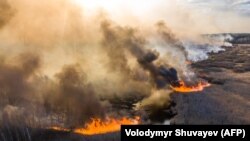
(227, 100)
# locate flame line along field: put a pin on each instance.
(98, 126)
(183, 88)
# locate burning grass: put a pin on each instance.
(184, 88)
(99, 126)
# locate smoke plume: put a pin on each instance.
(6, 12)
(62, 65)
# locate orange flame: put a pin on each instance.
(97, 126)
(185, 89)
(57, 128)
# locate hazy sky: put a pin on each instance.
(204, 16)
(239, 6)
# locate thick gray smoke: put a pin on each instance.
(6, 12)
(16, 83)
(126, 39)
(170, 38)
(198, 52)
(72, 99)
(213, 44)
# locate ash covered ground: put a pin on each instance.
(227, 101)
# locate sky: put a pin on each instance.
(239, 6)
(205, 16)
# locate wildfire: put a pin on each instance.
(185, 89)
(97, 126)
(57, 128)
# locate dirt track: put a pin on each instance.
(227, 101)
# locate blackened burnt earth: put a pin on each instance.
(227, 101)
(12, 133)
